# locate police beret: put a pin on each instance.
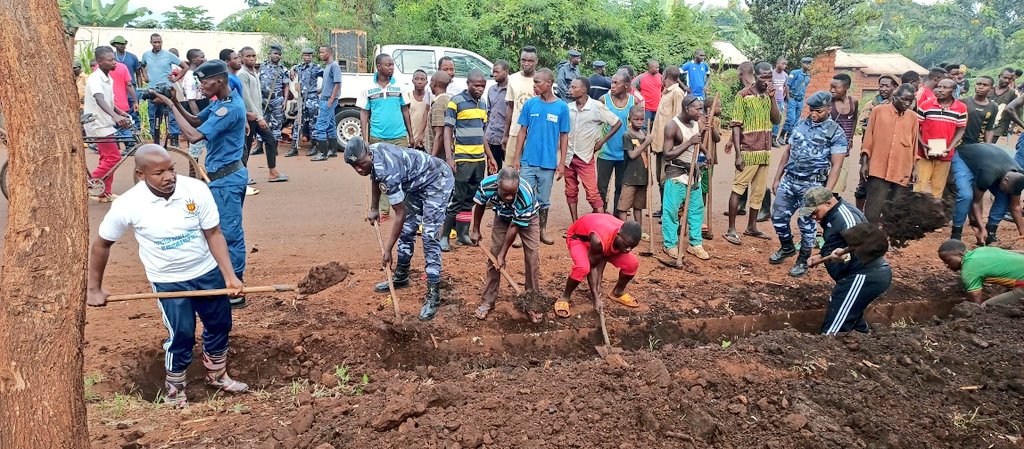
(574, 54)
(307, 51)
(211, 68)
(599, 64)
(354, 150)
(819, 100)
(806, 60)
(276, 48)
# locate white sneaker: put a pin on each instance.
(249, 191)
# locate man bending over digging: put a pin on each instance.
(595, 240)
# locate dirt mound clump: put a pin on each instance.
(322, 277)
(912, 215)
(533, 301)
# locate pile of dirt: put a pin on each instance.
(322, 277)
(533, 301)
(912, 215)
(867, 241)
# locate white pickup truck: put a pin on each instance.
(408, 59)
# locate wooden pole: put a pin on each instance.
(42, 302)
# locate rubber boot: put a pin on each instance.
(958, 233)
(446, 232)
(462, 233)
(292, 152)
(258, 149)
(321, 149)
(217, 374)
(400, 279)
(992, 229)
(172, 141)
(544, 228)
(312, 148)
(786, 251)
(174, 383)
(431, 302)
(332, 148)
(800, 267)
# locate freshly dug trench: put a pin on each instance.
(322, 277)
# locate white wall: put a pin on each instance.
(210, 42)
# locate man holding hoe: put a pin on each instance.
(594, 241)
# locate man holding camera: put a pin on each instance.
(222, 124)
(158, 65)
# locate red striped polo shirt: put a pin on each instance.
(940, 123)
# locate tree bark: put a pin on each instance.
(42, 282)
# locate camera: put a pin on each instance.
(161, 88)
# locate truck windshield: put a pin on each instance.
(464, 63)
(408, 61)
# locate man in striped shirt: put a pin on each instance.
(465, 120)
(515, 214)
(943, 121)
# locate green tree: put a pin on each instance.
(797, 28)
(188, 18)
(145, 23)
(77, 13)
(245, 21)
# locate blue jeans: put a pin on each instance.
(541, 180)
(782, 107)
(179, 316)
(325, 126)
(229, 194)
(1019, 157)
(793, 110)
(963, 177)
(649, 118)
(163, 111)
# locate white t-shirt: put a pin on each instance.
(103, 125)
(520, 89)
(190, 86)
(172, 246)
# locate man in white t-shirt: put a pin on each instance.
(193, 95)
(520, 89)
(177, 227)
(99, 101)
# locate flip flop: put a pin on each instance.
(757, 235)
(481, 312)
(279, 178)
(626, 299)
(731, 237)
(562, 309)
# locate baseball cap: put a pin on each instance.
(210, 69)
(118, 40)
(815, 197)
(355, 149)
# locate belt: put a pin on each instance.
(811, 178)
(225, 170)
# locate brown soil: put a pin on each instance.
(722, 353)
(533, 301)
(912, 215)
(867, 241)
(322, 277)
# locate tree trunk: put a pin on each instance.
(42, 283)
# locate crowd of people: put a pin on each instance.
(437, 159)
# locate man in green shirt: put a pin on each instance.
(986, 264)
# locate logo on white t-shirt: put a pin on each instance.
(190, 207)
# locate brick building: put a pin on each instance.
(864, 69)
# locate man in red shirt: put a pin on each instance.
(123, 90)
(595, 240)
(650, 84)
(943, 121)
(926, 90)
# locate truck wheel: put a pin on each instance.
(348, 125)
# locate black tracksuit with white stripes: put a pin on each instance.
(857, 282)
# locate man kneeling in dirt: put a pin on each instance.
(418, 186)
(515, 214)
(858, 282)
(177, 226)
(986, 265)
(595, 240)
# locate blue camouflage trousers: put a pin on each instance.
(793, 110)
(788, 200)
(310, 110)
(426, 207)
(275, 116)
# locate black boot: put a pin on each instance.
(172, 141)
(958, 233)
(332, 148)
(400, 278)
(462, 233)
(786, 251)
(992, 228)
(800, 267)
(293, 152)
(431, 302)
(446, 232)
(544, 228)
(321, 149)
(312, 148)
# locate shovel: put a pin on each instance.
(199, 293)
(387, 272)
(610, 354)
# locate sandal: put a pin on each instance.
(626, 299)
(757, 235)
(482, 311)
(562, 309)
(731, 237)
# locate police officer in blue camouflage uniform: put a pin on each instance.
(306, 74)
(817, 147)
(274, 84)
(419, 186)
(797, 83)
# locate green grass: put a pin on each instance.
(91, 379)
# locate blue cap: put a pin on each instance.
(598, 64)
(211, 68)
(355, 149)
(806, 60)
(574, 54)
(819, 99)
